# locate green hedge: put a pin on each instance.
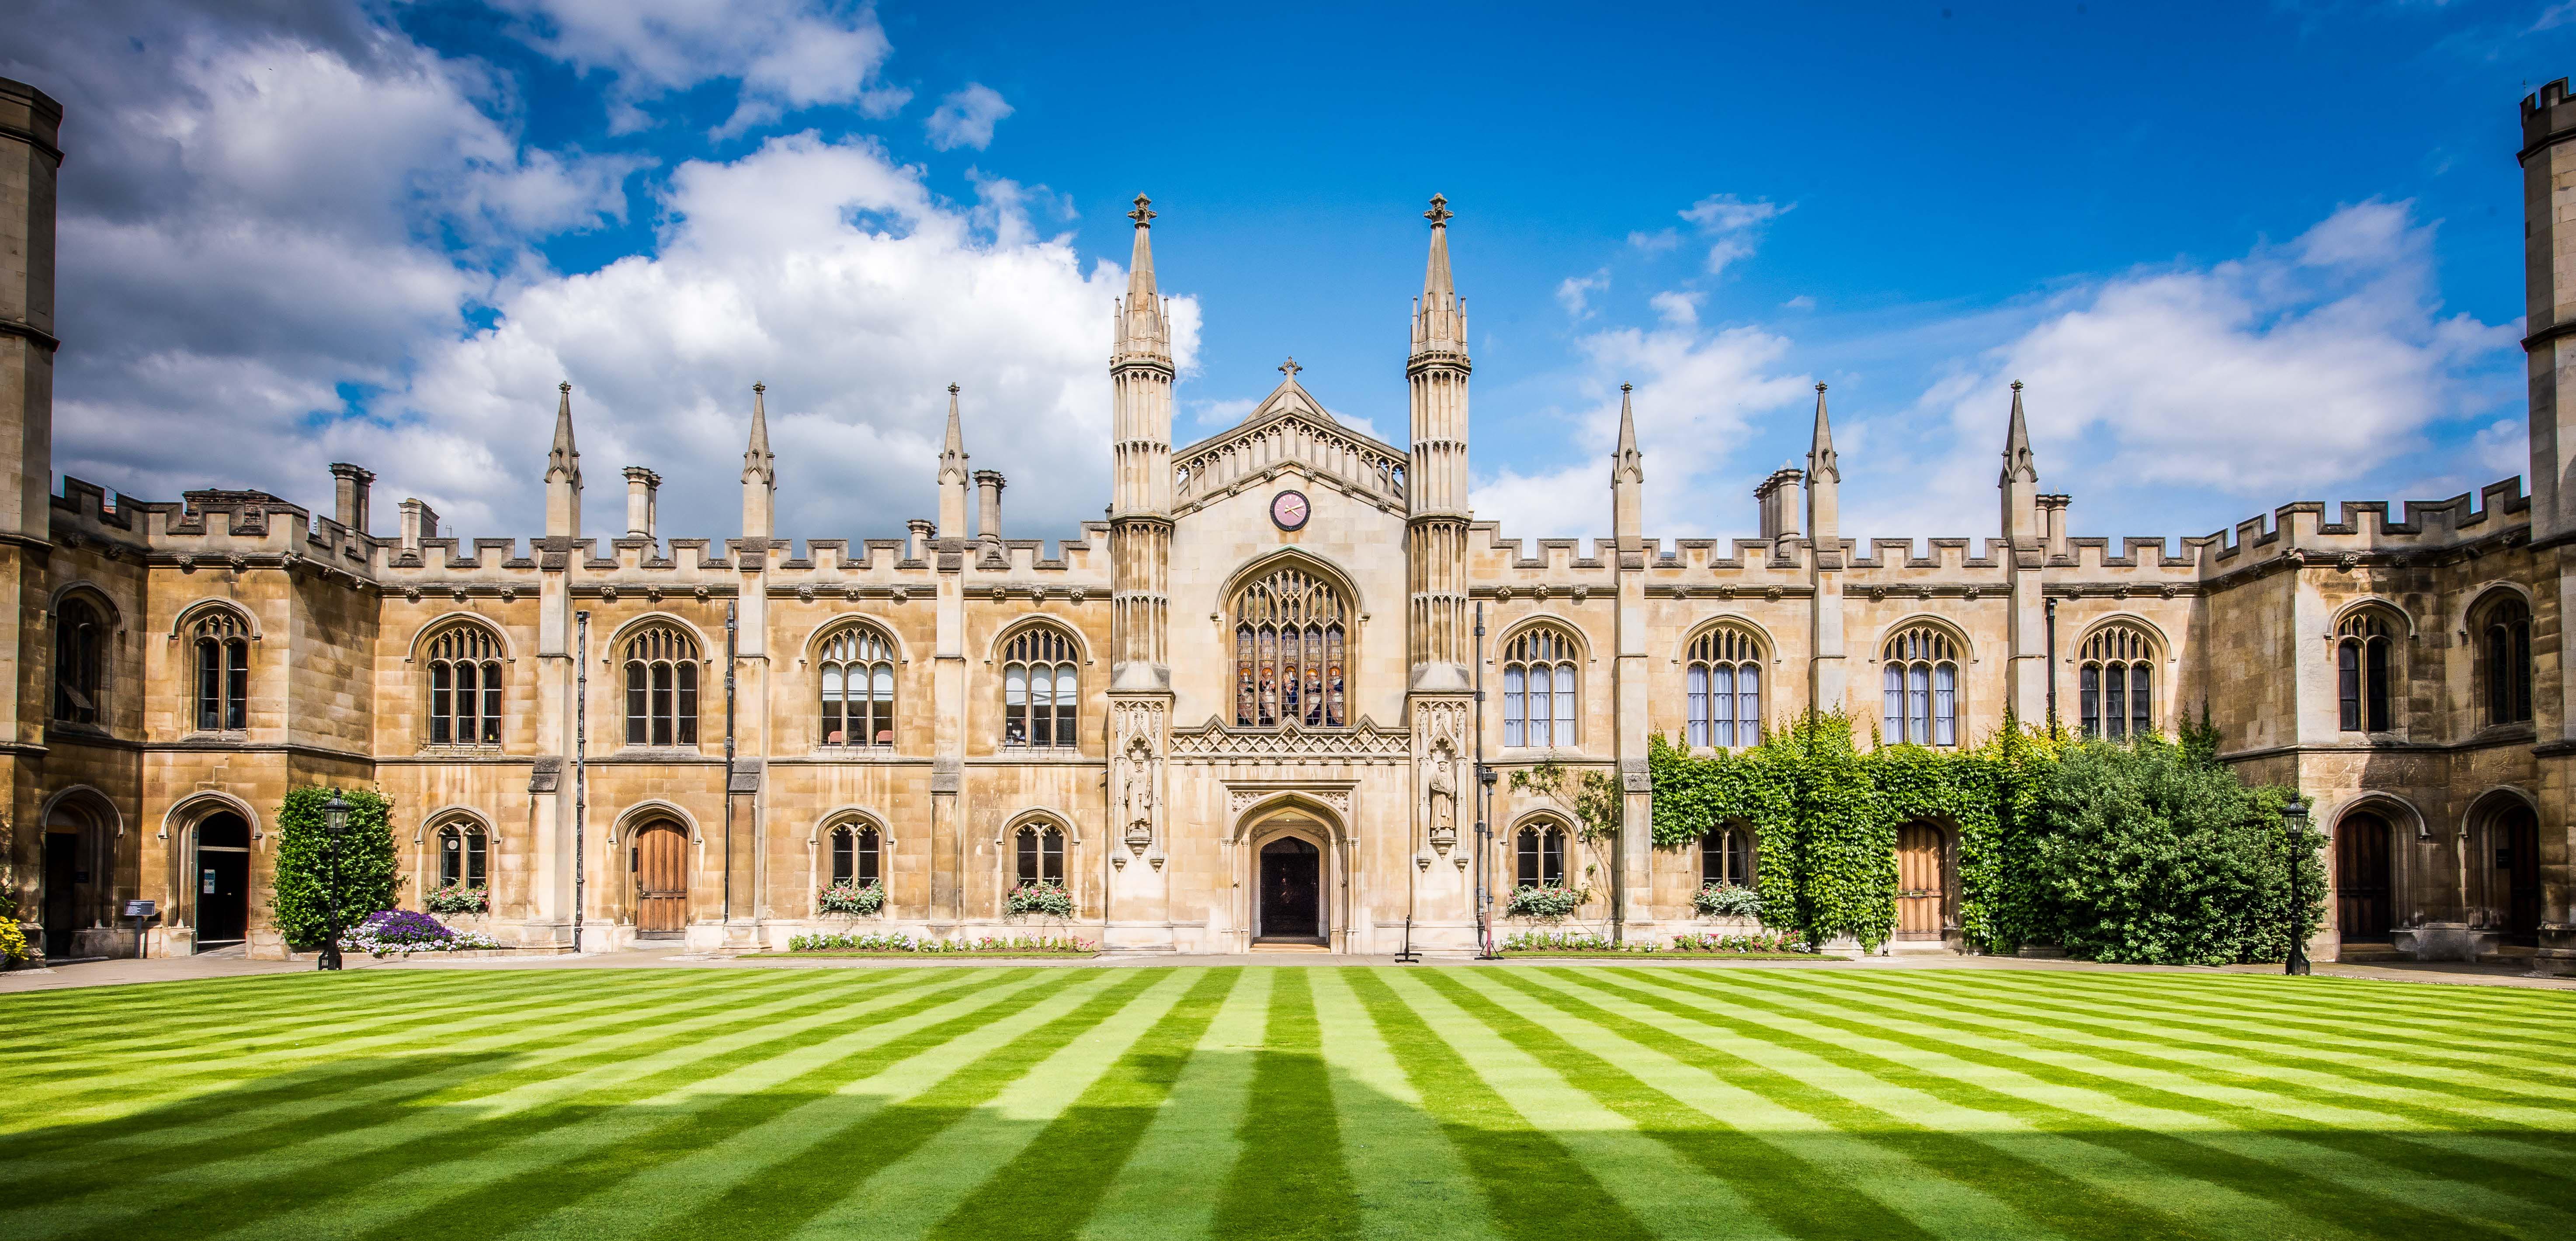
(306, 857)
(2144, 851)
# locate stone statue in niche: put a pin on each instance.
(1137, 797)
(1444, 797)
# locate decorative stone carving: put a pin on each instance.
(1136, 770)
(1239, 799)
(1291, 743)
(1442, 797)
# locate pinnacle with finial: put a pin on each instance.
(1440, 214)
(1822, 462)
(1629, 464)
(1144, 213)
(1290, 368)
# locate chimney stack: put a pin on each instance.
(419, 522)
(924, 530)
(643, 502)
(988, 507)
(349, 498)
(1778, 497)
(2052, 518)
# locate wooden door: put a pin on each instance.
(2518, 865)
(660, 862)
(1920, 894)
(2362, 906)
(1291, 890)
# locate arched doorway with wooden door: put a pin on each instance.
(81, 876)
(220, 886)
(1291, 876)
(2365, 908)
(2513, 885)
(1923, 913)
(1292, 892)
(657, 861)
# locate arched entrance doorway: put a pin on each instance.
(222, 887)
(79, 876)
(1291, 892)
(1922, 886)
(658, 858)
(2363, 908)
(2516, 884)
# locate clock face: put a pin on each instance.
(1290, 510)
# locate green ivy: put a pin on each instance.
(360, 860)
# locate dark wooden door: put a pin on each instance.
(1919, 891)
(660, 860)
(62, 881)
(2518, 867)
(2362, 905)
(222, 881)
(1291, 890)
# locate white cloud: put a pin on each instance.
(1575, 293)
(2301, 367)
(966, 119)
(787, 54)
(1731, 226)
(1655, 242)
(1800, 302)
(1676, 308)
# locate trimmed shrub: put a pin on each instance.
(1548, 902)
(358, 865)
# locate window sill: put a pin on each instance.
(231, 736)
(1544, 753)
(1037, 752)
(855, 753)
(460, 751)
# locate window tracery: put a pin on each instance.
(1920, 683)
(661, 688)
(465, 687)
(223, 672)
(2115, 683)
(2362, 649)
(1041, 690)
(1290, 642)
(857, 674)
(1539, 688)
(1725, 683)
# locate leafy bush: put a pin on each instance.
(1727, 900)
(359, 863)
(857, 900)
(389, 931)
(1549, 902)
(901, 942)
(1049, 899)
(1563, 941)
(1758, 941)
(455, 898)
(14, 945)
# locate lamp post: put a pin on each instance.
(2294, 825)
(335, 826)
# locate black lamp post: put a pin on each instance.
(335, 826)
(2294, 825)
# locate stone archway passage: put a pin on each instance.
(2517, 863)
(658, 855)
(1920, 893)
(222, 881)
(1292, 890)
(2362, 906)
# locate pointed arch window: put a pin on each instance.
(661, 688)
(1725, 679)
(2362, 661)
(856, 856)
(1041, 692)
(1290, 643)
(463, 855)
(2505, 647)
(1920, 684)
(465, 687)
(1539, 688)
(2115, 683)
(80, 662)
(223, 672)
(857, 666)
(1039, 857)
(1542, 857)
(1726, 857)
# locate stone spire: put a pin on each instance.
(1439, 318)
(1436, 478)
(1140, 496)
(1820, 449)
(953, 476)
(1824, 490)
(759, 473)
(1627, 479)
(1143, 328)
(2020, 479)
(563, 473)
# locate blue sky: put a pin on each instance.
(2243, 254)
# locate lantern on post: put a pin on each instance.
(2294, 826)
(335, 828)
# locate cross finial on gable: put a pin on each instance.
(1143, 212)
(1440, 213)
(1290, 368)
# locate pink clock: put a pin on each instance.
(1290, 510)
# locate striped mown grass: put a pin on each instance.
(1124, 1104)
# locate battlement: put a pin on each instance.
(2547, 115)
(2498, 510)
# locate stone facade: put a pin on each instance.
(224, 648)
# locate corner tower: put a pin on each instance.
(1436, 477)
(1140, 509)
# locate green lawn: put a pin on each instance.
(1122, 1104)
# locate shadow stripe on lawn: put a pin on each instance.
(778, 1199)
(188, 1113)
(1289, 1178)
(1531, 1183)
(2345, 1206)
(2055, 1200)
(2315, 1004)
(2434, 1117)
(2402, 1152)
(339, 1170)
(1051, 1188)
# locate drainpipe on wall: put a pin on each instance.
(727, 904)
(580, 771)
(2051, 608)
(1484, 801)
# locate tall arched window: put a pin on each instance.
(1041, 855)
(1726, 856)
(223, 672)
(2115, 683)
(1921, 684)
(80, 662)
(2362, 672)
(855, 856)
(1539, 695)
(1542, 857)
(858, 688)
(1289, 646)
(461, 856)
(2505, 641)
(1040, 691)
(661, 688)
(465, 687)
(1725, 678)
